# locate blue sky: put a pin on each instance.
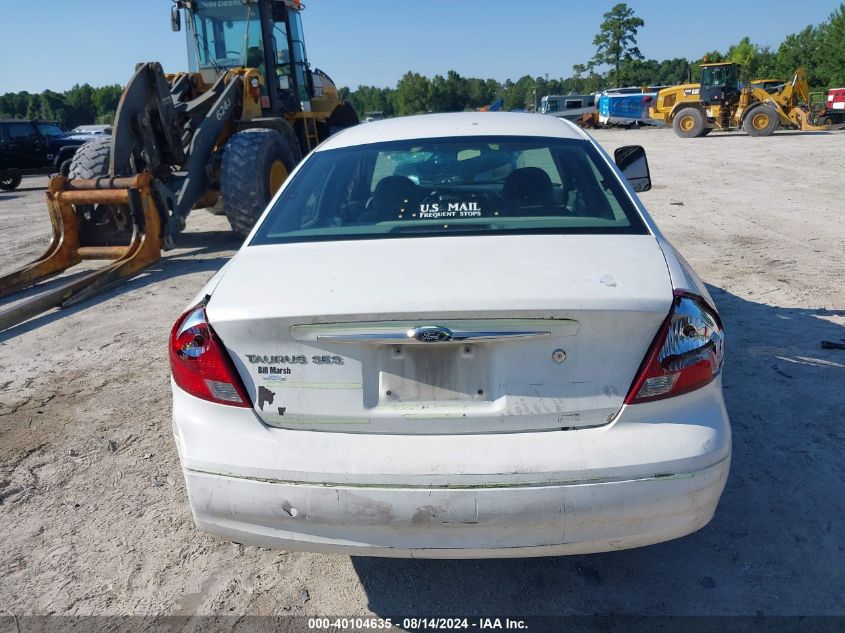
(376, 41)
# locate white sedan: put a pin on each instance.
(454, 336)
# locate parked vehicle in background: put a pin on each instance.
(570, 107)
(91, 130)
(628, 106)
(829, 109)
(487, 350)
(632, 90)
(33, 147)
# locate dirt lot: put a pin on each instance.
(93, 512)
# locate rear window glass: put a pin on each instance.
(454, 186)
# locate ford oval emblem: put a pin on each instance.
(431, 334)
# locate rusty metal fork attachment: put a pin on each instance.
(67, 248)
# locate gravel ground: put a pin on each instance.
(93, 512)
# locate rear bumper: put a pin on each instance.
(632, 483)
(442, 523)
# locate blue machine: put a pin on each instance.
(626, 108)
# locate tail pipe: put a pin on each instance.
(68, 248)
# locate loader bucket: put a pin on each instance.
(70, 245)
(802, 121)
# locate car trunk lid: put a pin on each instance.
(452, 335)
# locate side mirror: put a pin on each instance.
(175, 19)
(633, 164)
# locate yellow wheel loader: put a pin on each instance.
(720, 102)
(224, 135)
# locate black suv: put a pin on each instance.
(33, 147)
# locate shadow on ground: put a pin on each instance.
(775, 545)
(28, 187)
(199, 246)
(778, 134)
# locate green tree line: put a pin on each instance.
(77, 106)
(617, 62)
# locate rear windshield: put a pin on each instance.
(454, 186)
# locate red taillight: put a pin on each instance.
(199, 363)
(686, 354)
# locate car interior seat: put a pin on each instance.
(392, 196)
(528, 187)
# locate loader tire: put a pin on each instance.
(689, 123)
(292, 139)
(10, 180)
(762, 121)
(255, 164)
(99, 224)
(91, 160)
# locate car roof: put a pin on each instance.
(456, 124)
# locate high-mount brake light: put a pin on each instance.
(686, 354)
(199, 363)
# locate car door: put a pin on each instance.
(5, 159)
(25, 146)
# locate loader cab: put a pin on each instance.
(261, 34)
(288, 52)
(719, 83)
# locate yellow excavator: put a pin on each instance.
(719, 102)
(224, 136)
